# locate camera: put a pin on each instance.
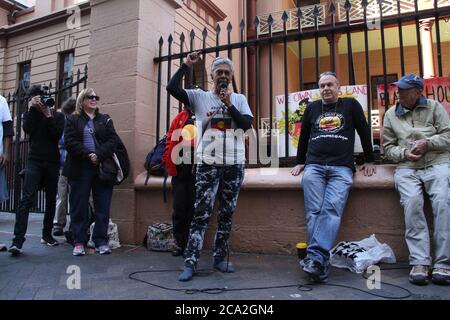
(45, 98)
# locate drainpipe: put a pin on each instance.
(251, 34)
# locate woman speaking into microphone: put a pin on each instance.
(220, 157)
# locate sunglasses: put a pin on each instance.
(97, 98)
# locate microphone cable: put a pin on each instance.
(303, 287)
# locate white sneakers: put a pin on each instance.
(78, 249)
(103, 249)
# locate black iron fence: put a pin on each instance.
(292, 28)
(17, 102)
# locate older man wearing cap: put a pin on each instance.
(416, 134)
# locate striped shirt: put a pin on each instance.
(88, 138)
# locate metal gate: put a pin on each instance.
(18, 151)
(292, 28)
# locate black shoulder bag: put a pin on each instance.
(109, 170)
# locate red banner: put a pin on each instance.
(437, 89)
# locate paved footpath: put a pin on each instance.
(47, 273)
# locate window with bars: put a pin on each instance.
(24, 75)
(65, 76)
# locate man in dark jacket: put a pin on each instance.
(44, 126)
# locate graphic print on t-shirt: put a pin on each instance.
(330, 122)
(221, 124)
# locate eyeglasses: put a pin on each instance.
(97, 98)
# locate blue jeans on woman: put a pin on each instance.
(326, 190)
(80, 189)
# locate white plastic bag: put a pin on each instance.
(113, 235)
(357, 256)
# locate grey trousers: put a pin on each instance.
(435, 181)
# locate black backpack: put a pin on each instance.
(154, 165)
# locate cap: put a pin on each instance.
(409, 81)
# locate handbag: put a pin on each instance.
(109, 170)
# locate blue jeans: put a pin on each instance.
(80, 189)
(326, 190)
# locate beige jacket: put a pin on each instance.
(429, 120)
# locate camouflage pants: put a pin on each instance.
(210, 180)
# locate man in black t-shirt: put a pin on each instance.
(325, 153)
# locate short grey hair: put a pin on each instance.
(218, 61)
(328, 73)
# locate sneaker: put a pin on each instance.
(58, 232)
(49, 240)
(15, 249)
(104, 249)
(187, 274)
(2, 247)
(78, 249)
(223, 266)
(440, 276)
(419, 275)
(304, 261)
(314, 270)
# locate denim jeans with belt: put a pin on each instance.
(80, 189)
(37, 173)
(326, 190)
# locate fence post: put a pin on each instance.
(18, 161)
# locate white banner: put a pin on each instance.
(297, 103)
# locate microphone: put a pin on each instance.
(223, 87)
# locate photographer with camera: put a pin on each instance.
(44, 126)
